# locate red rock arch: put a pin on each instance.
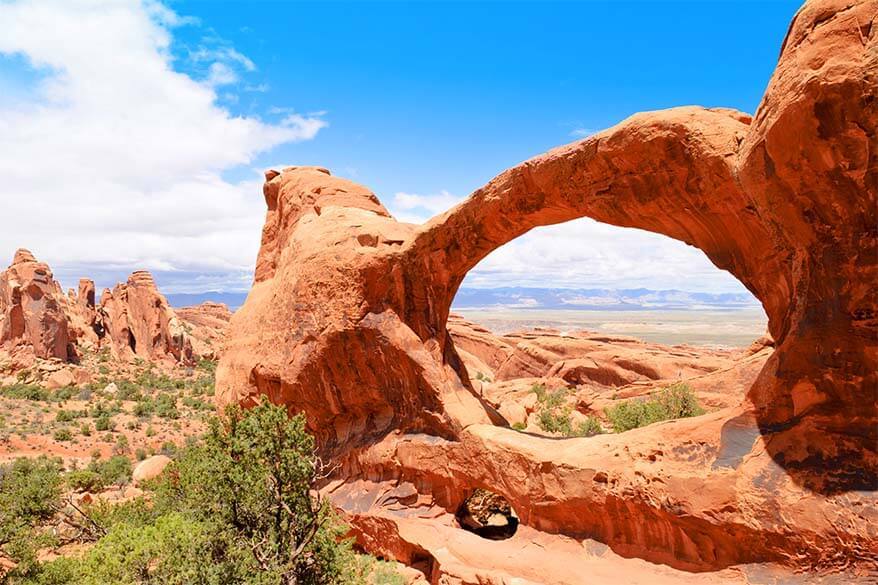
(346, 320)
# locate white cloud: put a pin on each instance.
(116, 159)
(415, 208)
(302, 127)
(221, 74)
(586, 254)
(582, 132)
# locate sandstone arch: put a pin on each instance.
(346, 318)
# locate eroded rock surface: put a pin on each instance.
(133, 320)
(140, 322)
(206, 325)
(32, 309)
(347, 321)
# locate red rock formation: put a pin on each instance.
(206, 326)
(347, 322)
(139, 321)
(31, 309)
(580, 357)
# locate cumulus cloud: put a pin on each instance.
(415, 208)
(588, 254)
(112, 160)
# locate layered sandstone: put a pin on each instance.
(206, 325)
(347, 321)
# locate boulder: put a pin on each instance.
(60, 379)
(149, 468)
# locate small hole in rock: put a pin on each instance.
(488, 514)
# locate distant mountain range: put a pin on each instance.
(633, 299)
(232, 299)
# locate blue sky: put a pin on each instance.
(136, 133)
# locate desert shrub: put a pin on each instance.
(206, 365)
(203, 386)
(238, 506)
(85, 429)
(30, 493)
(114, 471)
(98, 410)
(64, 393)
(65, 416)
(85, 480)
(21, 391)
(104, 423)
(590, 427)
(121, 447)
(144, 408)
(252, 475)
(555, 421)
(196, 404)
(128, 391)
(519, 426)
(168, 449)
(166, 406)
(63, 435)
(540, 391)
(140, 454)
(675, 401)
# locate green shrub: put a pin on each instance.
(84, 480)
(166, 406)
(104, 423)
(239, 506)
(519, 426)
(121, 447)
(590, 427)
(549, 400)
(20, 391)
(128, 391)
(64, 393)
(675, 401)
(30, 493)
(169, 449)
(65, 416)
(63, 435)
(85, 429)
(114, 471)
(555, 421)
(253, 475)
(196, 404)
(207, 365)
(144, 409)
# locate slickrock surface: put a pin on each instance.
(206, 324)
(580, 357)
(347, 322)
